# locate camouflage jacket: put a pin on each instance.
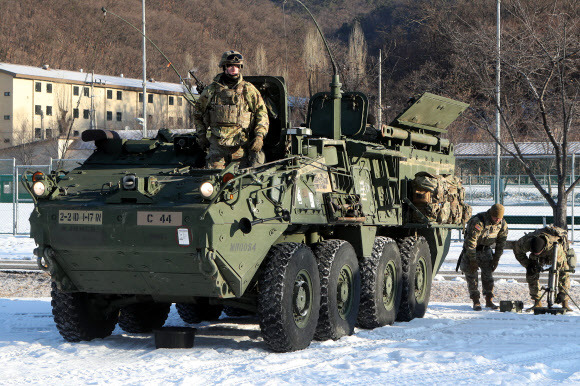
(523, 246)
(480, 231)
(249, 106)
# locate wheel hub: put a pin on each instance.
(302, 298)
(345, 291)
(389, 285)
(420, 277)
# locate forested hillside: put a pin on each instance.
(441, 46)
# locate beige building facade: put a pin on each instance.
(42, 103)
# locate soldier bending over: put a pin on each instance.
(481, 232)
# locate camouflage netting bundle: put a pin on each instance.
(441, 198)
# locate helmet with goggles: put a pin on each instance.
(232, 57)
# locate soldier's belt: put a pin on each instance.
(480, 248)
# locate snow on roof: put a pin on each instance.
(85, 77)
(475, 149)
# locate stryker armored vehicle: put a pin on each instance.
(322, 237)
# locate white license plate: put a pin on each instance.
(85, 217)
(159, 218)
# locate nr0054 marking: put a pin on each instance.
(159, 218)
(83, 217)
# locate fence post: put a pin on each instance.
(14, 197)
(572, 178)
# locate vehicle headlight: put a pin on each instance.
(39, 189)
(206, 189)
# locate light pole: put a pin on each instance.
(145, 76)
(497, 112)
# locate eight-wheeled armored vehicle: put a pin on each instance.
(324, 236)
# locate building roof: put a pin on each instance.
(65, 76)
(530, 149)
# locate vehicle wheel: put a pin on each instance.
(289, 297)
(78, 318)
(199, 312)
(143, 317)
(381, 284)
(417, 277)
(236, 312)
(339, 289)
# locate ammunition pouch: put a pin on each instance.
(571, 257)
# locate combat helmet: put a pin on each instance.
(231, 57)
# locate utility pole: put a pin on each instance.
(144, 77)
(497, 112)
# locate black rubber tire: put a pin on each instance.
(198, 312)
(416, 258)
(381, 285)
(77, 319)
(236, 312)
(339, 289)
(289, 297)
(143, 317)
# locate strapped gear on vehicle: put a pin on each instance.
(440, 198)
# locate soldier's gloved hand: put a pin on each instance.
(533, 268)
(257, 144)
(473, 265)
(494, 263)
(202, 141)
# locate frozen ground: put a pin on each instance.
(451, 345)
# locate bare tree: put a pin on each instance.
(357, 59)
(314, 56)
(260, 61)
(540, 50)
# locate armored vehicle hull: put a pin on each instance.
(322, 237)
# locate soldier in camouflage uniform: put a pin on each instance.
(541, 244)
(231, 117)
(481, 232)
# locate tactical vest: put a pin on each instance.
(229, 113)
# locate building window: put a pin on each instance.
(141, 97)
(179, 121)
(119, 95)
(149, 98)
(179, 101)
(48, 110)
(48, 133)
(86, 114)
(109, 115)
(49, 88)
(38, 109)
(170, 101)
(37, 87)
(75, 133)
(75, 113)
(75, 90)
(109, 94)
(6, 140)
(119, 117)
(7, 117)
(6, 93)
(37, 133)
(86, 91)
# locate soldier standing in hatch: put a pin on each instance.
(541, 244)
(481, 232)
(231, 117)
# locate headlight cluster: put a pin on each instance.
(41, 185)
(206, 189)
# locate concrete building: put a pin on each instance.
(38, 103)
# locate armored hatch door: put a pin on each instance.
(354, 109)
(275, 96)
(431, 112)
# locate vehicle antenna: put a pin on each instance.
(170, 64)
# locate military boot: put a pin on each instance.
(537, 304)
(489, 302)
(476, 303)
(565, 305)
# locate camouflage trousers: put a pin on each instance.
(563, 281)
(218, 156)
(484, 261)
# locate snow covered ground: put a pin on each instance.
(452, 344)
